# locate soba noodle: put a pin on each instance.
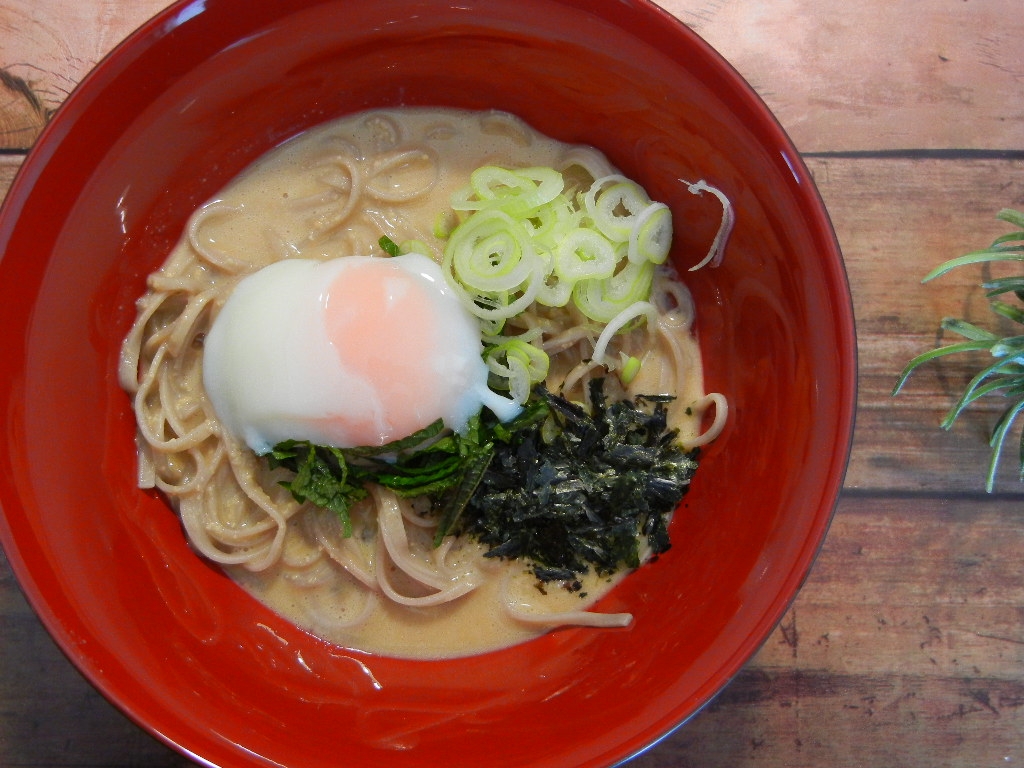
(334, 191)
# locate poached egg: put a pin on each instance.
(354, 351)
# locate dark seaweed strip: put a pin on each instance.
(583, 499)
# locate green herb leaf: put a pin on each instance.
(321, 477)
(1005, 375)
(389, 246)
(456, 502)
(415, 440)
(430, 462)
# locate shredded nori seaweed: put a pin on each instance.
(583, 497)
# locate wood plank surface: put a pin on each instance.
(896, 218)
(905, 647)
(907, 655)
(867, 76)
(47, 47)
(840, 76)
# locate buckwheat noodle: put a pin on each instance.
(331, 192)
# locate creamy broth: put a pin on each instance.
(324, 601)
(299, 201)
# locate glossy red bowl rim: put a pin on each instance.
(123, 696)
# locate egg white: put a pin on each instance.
(272, 372)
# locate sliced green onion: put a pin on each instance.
(651, 236)
(584, 254)
(465, 200)
(524, 237)
(521, 363)
(503, 305)
(617, 323)
(602, 300)
(717, 248)
(528, 336)
(554, 292)
(445, 222)
(491, 252)
(516, 191)
(414, 246)
(629, 369)
(549, 223)
(613, 203)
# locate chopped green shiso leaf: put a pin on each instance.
(389, 246)
(566, 489)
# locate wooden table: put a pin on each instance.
(906, 646)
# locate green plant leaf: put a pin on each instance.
(1005, 375)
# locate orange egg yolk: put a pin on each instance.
(382, 322)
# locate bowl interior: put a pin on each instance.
(190, 100)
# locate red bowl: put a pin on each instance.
(173, 114)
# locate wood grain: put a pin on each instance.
(867, 76)
(905, 647)
(839, 75)
(896, 219)
(47, 47)
(9, 166)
